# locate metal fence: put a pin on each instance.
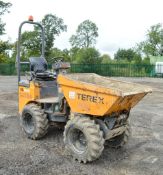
(118, 70)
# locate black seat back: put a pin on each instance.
(38, 64)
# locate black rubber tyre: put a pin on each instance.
(83, 139)
(121, 140)
(34, 122)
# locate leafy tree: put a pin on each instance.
(146, 60)
(31, 44)
(72, 53)
(105, 59)
(55, 53)
(66, 55)
(137, 59)
(5, 48)
(86, 56)
(127, 55)
(86, 35)
(3, 8)
(153, 45)
(31, 40)
(53, 27)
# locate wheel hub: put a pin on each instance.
(78, 141)
(28, 123)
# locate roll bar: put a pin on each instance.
(18, 59)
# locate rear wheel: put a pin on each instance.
(83, 139)
(34, 122)
(121, 140)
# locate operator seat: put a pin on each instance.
(38, 68)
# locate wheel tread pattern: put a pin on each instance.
(92, 131)
(41, 120)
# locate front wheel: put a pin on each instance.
(83, 139)
(34, 122)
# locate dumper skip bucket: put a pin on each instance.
(99, 96)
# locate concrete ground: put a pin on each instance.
(143, 155)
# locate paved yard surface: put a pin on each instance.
(143, 155)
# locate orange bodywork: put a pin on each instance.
(87, 94)
(87, 98)
(28, 94)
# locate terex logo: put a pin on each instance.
(93, 99)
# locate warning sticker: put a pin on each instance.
(72, 94)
